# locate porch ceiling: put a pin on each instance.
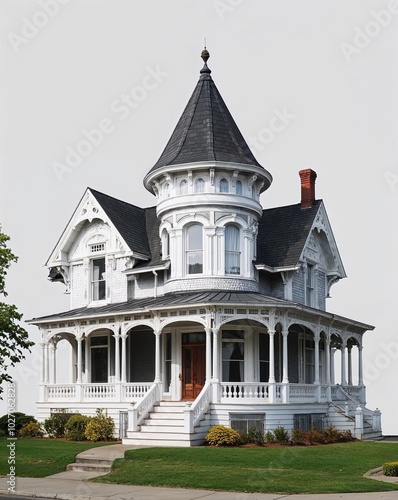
(201, 299)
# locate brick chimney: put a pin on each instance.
(307, 177)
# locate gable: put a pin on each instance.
(106, 218)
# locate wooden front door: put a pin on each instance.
(193, 370)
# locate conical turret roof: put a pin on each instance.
(206, 130)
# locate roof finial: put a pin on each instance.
(205, 54)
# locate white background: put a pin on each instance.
(265, 55)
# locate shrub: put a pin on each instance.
(390, 469)
(219, 435)
(75, 427)
(269, 437)
(100, 427)
(281, 435)
(31, 430)
(316, 437)
(55, 425)
(298, 437)
(253, 436)
(11, 424)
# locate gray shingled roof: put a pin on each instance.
(283, 232)
(206, 131)
(129, 220)
(173, 299)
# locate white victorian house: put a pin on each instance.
(205, 308)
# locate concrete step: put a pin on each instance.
(175, 410)
(91, 461)
(172, 404)
(89, 467)
(163, 429)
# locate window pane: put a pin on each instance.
(194, 254)
(184, 187)
(200, 186)
(224, 188)
(238, 187)
(98, 279)
(232, 250)
(233, 361)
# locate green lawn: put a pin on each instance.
(311, 469)
(40, 457)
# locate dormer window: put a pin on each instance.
(98, 282)
(224, 186)
(194, 249)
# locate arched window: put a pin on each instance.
(224, 186)
(184, 187)
(232, 250)
(239, 187)
(200, 186)
(165, 244)
(167, 190)
(194, 249)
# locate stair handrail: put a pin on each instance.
(194, 414)
(141, 409)
(368, 414)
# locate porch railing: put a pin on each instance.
(194, 414)
(116, 392)
(245, 390)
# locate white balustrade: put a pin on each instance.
(141, 409)
(302, 391)
(134, 391)
(99, 391)
(194, 414)
(245, 390)
(60, 392)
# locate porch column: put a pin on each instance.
(124, 364)
(285, 376)
(79, 360)
(349, 349)
(86, 360)
(117, 358)
(271, 334)
(328, 367)
(316, 338)
(343, 373)
(208, 354)
(157, 356)
(332, 376)
(215, 355)
(43, 363)
(47, 357)
(53, 373)
(360, 366)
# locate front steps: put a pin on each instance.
(165, 427)
(338, 418)
(100, 466)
